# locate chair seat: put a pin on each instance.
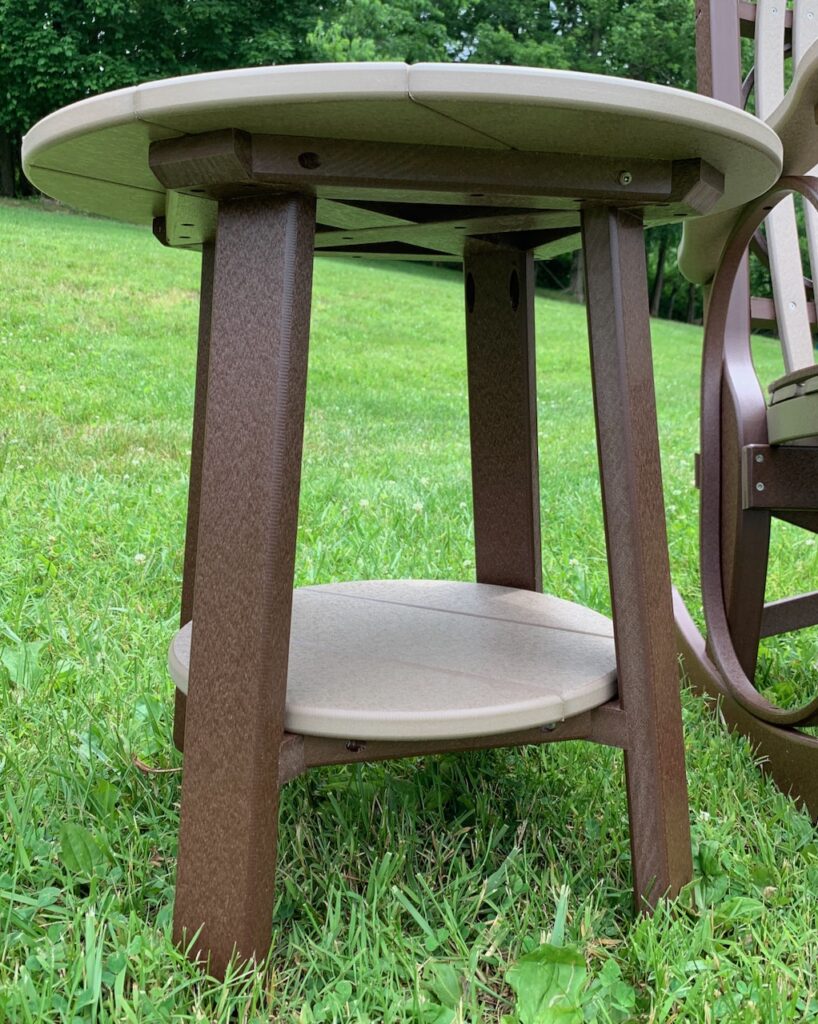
(792, 414)
(420, 659)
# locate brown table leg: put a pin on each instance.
(251, 466)
(619, 329)
(196, 453)
(503, 416)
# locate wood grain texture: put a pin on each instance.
(244, 573)
(619, 329)
(499, 287)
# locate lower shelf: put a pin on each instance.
(424, 659)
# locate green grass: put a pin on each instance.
(407, 889)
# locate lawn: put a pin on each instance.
(406, 890)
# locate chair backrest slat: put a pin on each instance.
(804, 28)
(781, 226)
(769, 84)
(804, 34)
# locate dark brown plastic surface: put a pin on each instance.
(245, 468)
(251, 466)
(499, 286)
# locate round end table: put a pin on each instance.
(261, 169)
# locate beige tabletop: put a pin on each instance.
(93, 155)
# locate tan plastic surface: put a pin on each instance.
(804, 34)
(794, 419)
(103, 141)
(792, 415)
(788, 285)
(785, 393)
(780, 227)
(769, 54)
(799, 377)
(804, 28)
(793, 411)
(794, 118)
(422, 659)
(703, 241)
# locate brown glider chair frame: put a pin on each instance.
(758, 460)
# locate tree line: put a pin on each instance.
(53, 52)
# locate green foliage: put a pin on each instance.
(548, 983)
(655, 41)
(552, 985)
(52, 54)
(81, 854)
(368, 30)
(649, 39)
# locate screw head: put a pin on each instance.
(792, 305)
(759, 486)
(759, 457)
(625, 177)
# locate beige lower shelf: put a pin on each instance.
(426, 659)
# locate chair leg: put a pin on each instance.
(196, 453)
(619, 330)
(250, 474)
(503, 416)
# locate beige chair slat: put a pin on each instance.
(804, 34)
(769, 81)
(811, 225)
(804, 28)
(788, 286)
(780, 226)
